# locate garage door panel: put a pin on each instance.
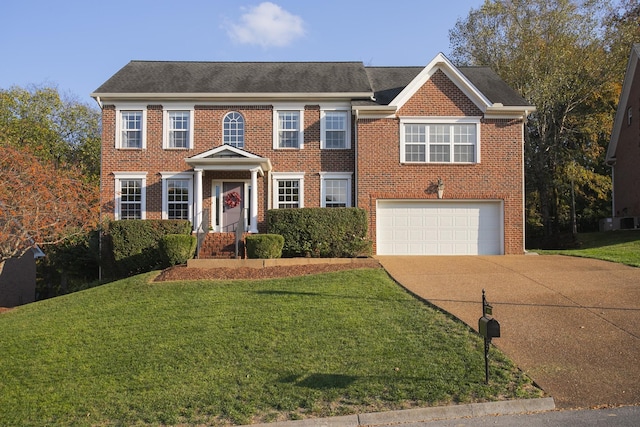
(439, 227)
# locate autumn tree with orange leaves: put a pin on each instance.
(39, 204)
(49, 152)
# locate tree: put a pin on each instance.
(40, 204)
(555, 54)
(62, 131)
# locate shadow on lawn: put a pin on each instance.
(321, 381)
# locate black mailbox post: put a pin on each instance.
(489, 328)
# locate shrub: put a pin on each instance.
(321, 232)
(264, 246)
(176, 249)
(134, 244)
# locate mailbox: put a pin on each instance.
(489, 328)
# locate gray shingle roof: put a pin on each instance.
(492, 86)
(385, 83)
(237, 77)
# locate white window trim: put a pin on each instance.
(288, 107)
(130, 107)
(143, 191)
(335, 175)
(165, 192)
(440, 120)
(165, 124)
(347, 141)
(283, 176)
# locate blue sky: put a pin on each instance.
(77, 45)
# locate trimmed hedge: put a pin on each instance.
(176, 249)
(135, 243)
(264, 246)
(321, 232)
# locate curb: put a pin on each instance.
(505, 407)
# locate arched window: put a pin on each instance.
(233, 129)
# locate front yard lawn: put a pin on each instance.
(135, 352)
(622, 246)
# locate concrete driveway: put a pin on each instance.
(572, 324)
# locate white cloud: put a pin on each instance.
(267, 25)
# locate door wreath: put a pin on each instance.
(232, 199)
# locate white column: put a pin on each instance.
(198, 201)
(254, 201)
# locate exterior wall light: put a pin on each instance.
(440, 188)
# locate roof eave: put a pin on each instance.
(204, 96)
(499, 111)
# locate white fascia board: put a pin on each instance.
(621, 111)
(514, 112)
(440, 62)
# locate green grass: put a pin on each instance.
(135, 352)
(621, 246)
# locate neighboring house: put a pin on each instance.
(623, 152)
(18, 279)
(217, 143)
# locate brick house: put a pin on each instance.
(623, 152)
(220, 143)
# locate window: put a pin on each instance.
(335, 129)
(176, 195)
(629, 115)
(177, 127)
(288, 190)
(454, 142)
(131, 123)
(335, 190)
(233, 129)
(130, 195)
(287, 127)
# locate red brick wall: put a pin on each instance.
(498, 176)
(626, 171)
(207, 135)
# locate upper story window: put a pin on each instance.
(289, 190)
(288, 128)
(130, 195)
(441, 141)
(130, 127)
(178, 127)
(335, 132)
(233, 129)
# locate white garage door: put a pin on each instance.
(439, 227)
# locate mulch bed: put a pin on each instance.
(183, 273)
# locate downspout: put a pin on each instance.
(355, 141)
(524, 190)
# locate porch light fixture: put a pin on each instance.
(440, 188)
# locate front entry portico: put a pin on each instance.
(225, 212)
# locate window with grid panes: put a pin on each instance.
(179, 129)
(178, 198)
(335, 193)
(288, 193)
(130, 199)
(440, 142)
(288, 129)
(131, 129)
(233, 129)
(335, 129)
